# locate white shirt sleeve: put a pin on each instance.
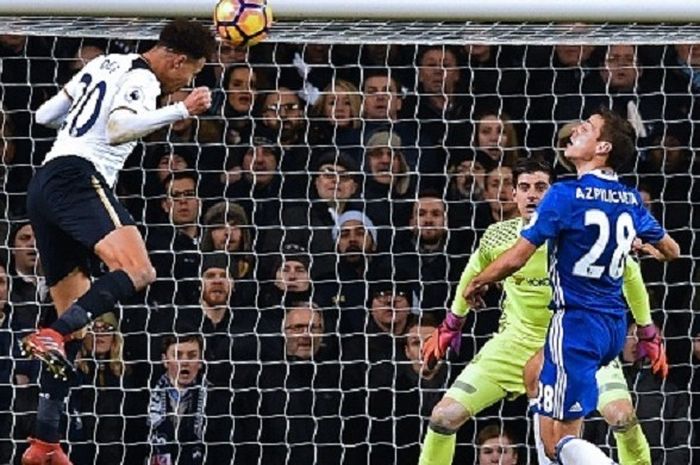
(53, 112)
(133, 113)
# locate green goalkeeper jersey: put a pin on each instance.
(527, 291)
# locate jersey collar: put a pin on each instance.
(607, 174)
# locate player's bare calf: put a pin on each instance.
(124, 249)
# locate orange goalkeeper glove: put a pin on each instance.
(448, 334)
(650, 346)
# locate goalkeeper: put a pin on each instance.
(496, 372)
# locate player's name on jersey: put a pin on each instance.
(606, 195)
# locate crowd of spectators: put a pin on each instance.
(308, 234)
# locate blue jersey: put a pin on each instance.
(590, 224)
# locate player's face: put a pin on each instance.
(583, 143)
(216, 287)
(180, 72)
(292, 276)
(24, 251)
(354, 242)
(228, 237)
(241, 85)
(182, 203)
(498, 451)
(182, 362)
(381, 99)
(428, 219)
(529, 190)
(303, 331)
(334, 183)
(415, 338)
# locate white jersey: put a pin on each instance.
(105, 84)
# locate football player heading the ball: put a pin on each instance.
(100, 113)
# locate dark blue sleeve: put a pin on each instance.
(546, 221)
(648, 229)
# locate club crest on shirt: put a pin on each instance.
(134, 94)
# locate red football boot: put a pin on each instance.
(44, 453)
(47, 345)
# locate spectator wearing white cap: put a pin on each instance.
(309, 221)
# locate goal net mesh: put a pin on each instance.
(310, 231)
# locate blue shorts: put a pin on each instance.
(71, 209)
(578, 343)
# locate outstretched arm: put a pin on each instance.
(53, 112)
(449, 333)
(126, 124)
(636, 293)
(505, 265)
(665, 250)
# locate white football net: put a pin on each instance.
(374, 171)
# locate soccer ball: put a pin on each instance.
(242, 22)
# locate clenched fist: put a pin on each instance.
(198, 101)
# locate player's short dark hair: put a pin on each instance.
(531, 165)
(172, 339)
(620, 133)
(191, 38)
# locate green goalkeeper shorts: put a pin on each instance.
(496, 372)
(612, 384)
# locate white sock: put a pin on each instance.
(575, 451)
(542, 458)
